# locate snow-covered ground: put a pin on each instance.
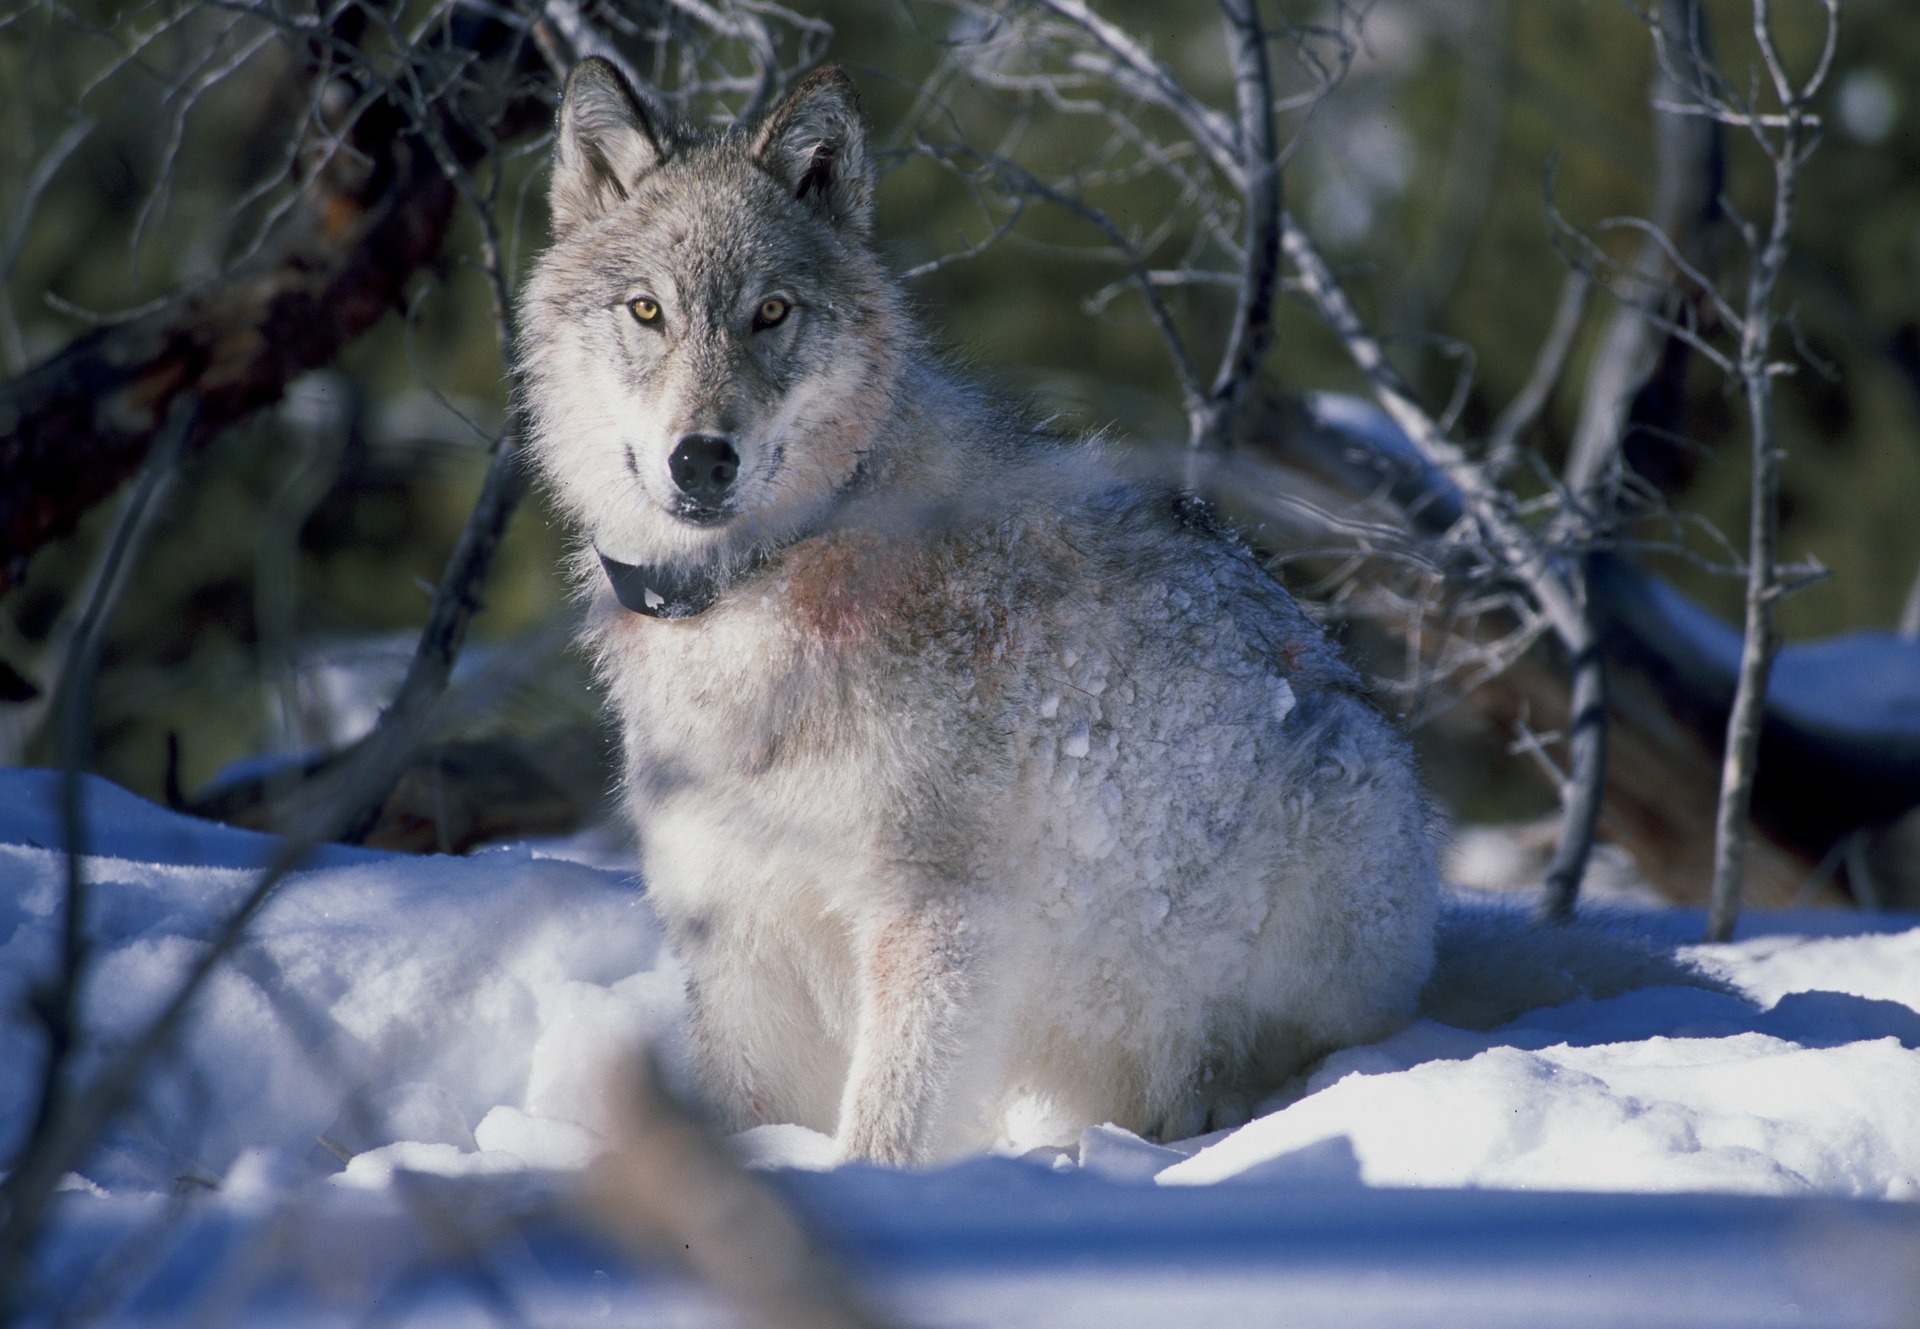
(406, 1043)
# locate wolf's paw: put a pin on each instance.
(1212, 1106)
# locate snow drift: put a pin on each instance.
(397, 1022)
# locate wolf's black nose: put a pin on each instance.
(704, 466)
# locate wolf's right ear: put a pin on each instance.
(605, 143)
(816, 141)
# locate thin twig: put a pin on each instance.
(587, 40)
(59, 1004)
(1212, 131)
(1252, 328)
(1756, 374)
(1686, 186)
(1503, 440)
(1017, 180)
(345, 803)
(1522, 557)
(1514, 546)
(49, 165)
(669, 1187)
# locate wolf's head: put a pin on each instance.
(710, 342)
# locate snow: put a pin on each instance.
(380, 1000)
(397, 1028)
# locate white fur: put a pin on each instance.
(1003, 782)
(1109, 861)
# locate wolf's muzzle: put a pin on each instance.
(704, 467)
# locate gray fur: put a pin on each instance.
(1008, 796)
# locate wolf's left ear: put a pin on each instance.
(605, 142)
(816, 141)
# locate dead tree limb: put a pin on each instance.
(1787, 139)
(1824, 774)
(336, 806)
(1687, 183)
(1246, 152)
(670, 1189)
(455, 601)
(1686, 189)
(1069, 65)
(75, 427)
(1547, 583)
(57, 1004)
(1252, 329)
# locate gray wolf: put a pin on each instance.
(984, 792)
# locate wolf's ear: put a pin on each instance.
(816, 141)
(605, 143)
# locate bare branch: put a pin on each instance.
(1721, 115)
(1510, 543)
(744, 26)
(55, 157)
(586, 40)
(1017, 180)
(1213, 132)
(58, 1006)
(341, 805)
(1686, 187)
(456, 599)
(1586, 782)
(1503, 440)
(1252, 328)
(1514, 546)
(49, 1149)
(1000, 232)
(669, 1188)
(364, 227)
(1756, 373)
(155, 202)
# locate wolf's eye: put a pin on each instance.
(770, 313)
(644, 310)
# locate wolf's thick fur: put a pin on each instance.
(988, 775)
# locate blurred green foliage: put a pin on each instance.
(164, 190)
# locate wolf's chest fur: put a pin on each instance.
(824, 703)
(990, 779)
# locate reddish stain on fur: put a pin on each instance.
(854, 585)
(840, 585)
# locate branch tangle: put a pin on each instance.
(75, 427)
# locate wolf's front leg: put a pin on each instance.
(922, 1053)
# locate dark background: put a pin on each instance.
(312, 534)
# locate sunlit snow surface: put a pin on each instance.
(405, 1036)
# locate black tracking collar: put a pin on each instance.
(661, 592)
(670, 593)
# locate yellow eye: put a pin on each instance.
(770, 312)
(645, 310)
